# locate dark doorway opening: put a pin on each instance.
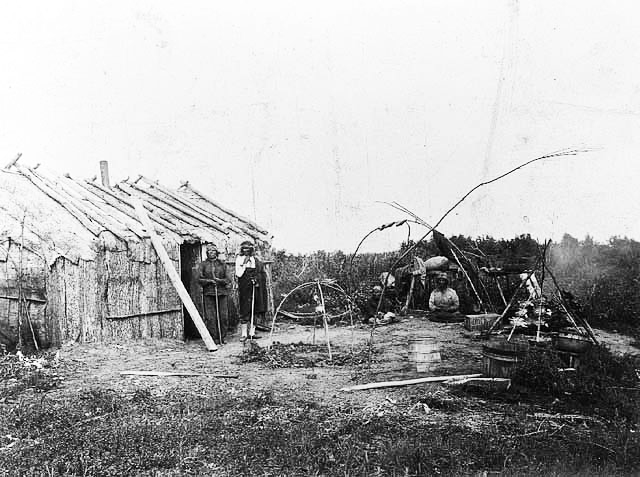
(190, 258)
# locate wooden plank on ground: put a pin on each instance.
(176, 373)
(407, 382)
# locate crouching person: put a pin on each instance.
(369, 308)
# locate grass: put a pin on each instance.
(103, 432)
(304, 355)
(18, 373)
(224, 429)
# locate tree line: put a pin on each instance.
(603, 277)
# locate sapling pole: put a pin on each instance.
(324, 319)
(484, 308)
(273, 322)
(300, 287)
(583, 320)
(544, 258)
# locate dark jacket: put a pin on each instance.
(213, 270)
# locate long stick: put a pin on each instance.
(253, 302)
(13, 162)
(175, 373)
(173, 275)
(20, 278)
(575, 325)
(469, 280)
(500, 290)
(324, 319)
(144, 313)
(544, 258)
(582, 319)
(218, 316)
(33, 335)
(406, 382)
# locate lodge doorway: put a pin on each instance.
(190, 258)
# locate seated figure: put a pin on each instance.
(444, 302)
(369, 306)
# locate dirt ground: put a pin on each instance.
(100, 365)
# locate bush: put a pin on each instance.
(539, 372)
(604, 383)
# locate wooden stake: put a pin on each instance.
(500, 290)
(173, 275)
(410, 294)
(324, 319)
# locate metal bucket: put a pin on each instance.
(425, 353)
(572, 343)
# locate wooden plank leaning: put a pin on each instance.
(173, 275)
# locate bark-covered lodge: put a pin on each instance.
(76, 264)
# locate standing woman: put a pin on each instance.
(251, 289)
(213, 279)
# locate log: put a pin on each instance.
(94, 201)
(117, 202)
(39, 183)
(65, 187)
(192, 206)
(176, 373)
(13, 162)
(173, 275)
(233, 214)
(181, 209)
(407, 382)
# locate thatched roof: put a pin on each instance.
(66, 216)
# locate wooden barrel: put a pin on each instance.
(500, 358)
(424, 352)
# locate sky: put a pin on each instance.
(309, 116)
